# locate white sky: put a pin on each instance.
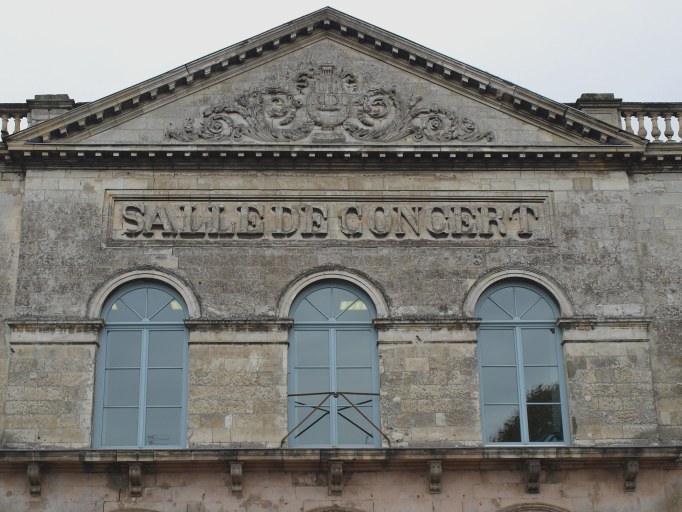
(556, 48)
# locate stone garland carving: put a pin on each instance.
(327, 105)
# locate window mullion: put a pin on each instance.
(144, 364)
(333, 401)
(521, 380)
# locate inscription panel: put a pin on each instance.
(163, 217)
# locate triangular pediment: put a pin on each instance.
(325, 80)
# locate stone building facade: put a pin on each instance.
(329, 269)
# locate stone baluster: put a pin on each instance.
(668, 127)
(655, 130)
(629, 124)
(641, 131)
(3, 128)
(17, 123)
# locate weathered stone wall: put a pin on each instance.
(49, 396)
(67, 254)
(11, 195)
(657, 199)
(237, 395)
(382, 491)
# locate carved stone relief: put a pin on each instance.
(326, 104)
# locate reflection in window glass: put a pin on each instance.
(520, 366)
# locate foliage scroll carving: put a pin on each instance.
(326, 105)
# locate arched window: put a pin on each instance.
(333, 377)
(523, 393)
(142, 369)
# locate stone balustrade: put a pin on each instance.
(11, 117)
(657, 122)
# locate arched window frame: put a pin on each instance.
(145, 326)
(299, 326)
(518, 324)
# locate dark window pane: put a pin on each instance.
(137, 300)
(119, 426)
(156, 300)
(311, 348)
(502, 424)
(500, 385)
(121, 387)
(312, 381)
(348, 307)
(341, 300)
(496, 346)
(163, 426)
(544, 423)
(322, 300)
(542, 384)
(305, 312)
(504, 298)
(353, 429)
(354, 380)
(358, 311)
(164, 387)
(525, 299)
(171, 312)
(123, 349)
(540, 311)
(120, 312)
(539, 346)
(491, 311)
(353, 348)
(166, 348)
(316, 430)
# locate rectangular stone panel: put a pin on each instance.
(360, 218)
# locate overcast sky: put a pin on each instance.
(556, 48)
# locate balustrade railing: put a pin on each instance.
(657, 122)
(13, 117)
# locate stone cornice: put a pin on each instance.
(58, 154)
(330, 22)
(391, 459)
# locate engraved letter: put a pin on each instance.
(133, 215)
(436, 221)
(379, 220)
(216, 230)
(463, 222)
(250, 220)
(491, 215)
(351, 221)
(524, 212)
(285, 215)
(411, 215)
(161, 221)
(187, 222)
(315, 221)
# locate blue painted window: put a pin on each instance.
(523, 390)
(142, 369)
(333, 376)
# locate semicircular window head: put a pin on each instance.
(333, 369)
(523, 389)
(141, 397)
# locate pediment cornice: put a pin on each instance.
(327, 22)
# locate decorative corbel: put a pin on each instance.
(135, 480)
(533, 476)
(34, 479)
(631, 472)
(336, 478)
(435, 476)
(236, 477)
